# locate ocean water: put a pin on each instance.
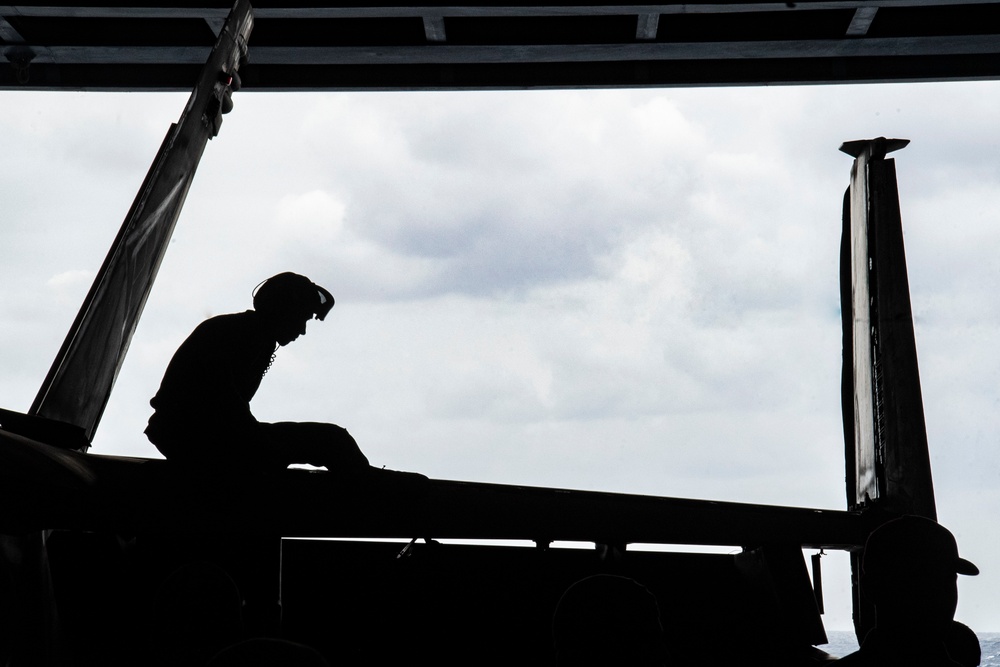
(842, 643)
(990, 643)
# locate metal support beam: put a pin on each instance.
(533, 54)
(386, 45)
(8, 34)
(275, 10)
(863, 17)
(216, 24)
(434, 29)
(647, 26)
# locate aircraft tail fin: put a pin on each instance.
(885, 438)
(888, 465)
(78, 385)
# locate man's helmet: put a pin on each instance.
(290, 293)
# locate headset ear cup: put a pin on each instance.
(326, 302)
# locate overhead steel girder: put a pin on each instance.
(519, 45)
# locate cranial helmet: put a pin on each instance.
(292, 294)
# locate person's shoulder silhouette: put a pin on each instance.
(963, 645)
(910, 569)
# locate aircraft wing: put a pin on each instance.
(61, 489)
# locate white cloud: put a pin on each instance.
(314, 217)
(70, 279)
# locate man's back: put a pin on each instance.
(216, 372)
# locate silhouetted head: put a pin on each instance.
(608, 620)
(197, 611)
(287, 301)
(910, 570)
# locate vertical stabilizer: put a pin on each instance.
(886, 439)
(79, 383)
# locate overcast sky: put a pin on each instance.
(631, 291)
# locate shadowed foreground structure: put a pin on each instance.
(347, 597)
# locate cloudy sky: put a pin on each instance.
(631, 291)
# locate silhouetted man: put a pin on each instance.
(202, 409)
(909, 572)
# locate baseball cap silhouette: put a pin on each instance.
(913, 544)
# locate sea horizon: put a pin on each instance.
(843, 642)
